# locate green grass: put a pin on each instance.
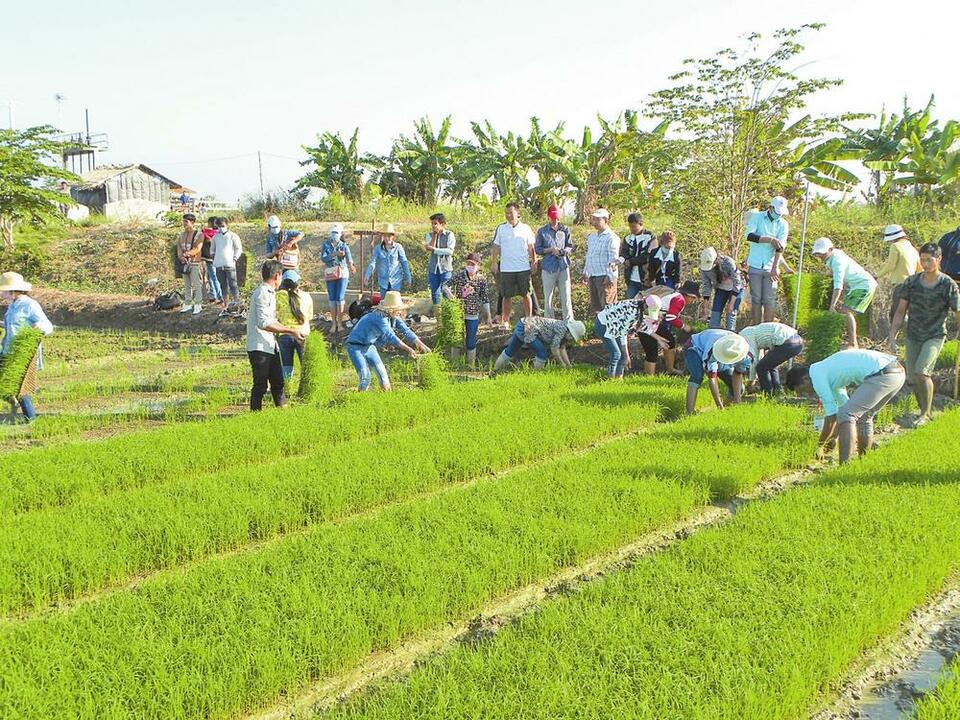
(432, 371)
(234, 634)
(948, 355)
(756, 619)
(451, 332)
(944, 702)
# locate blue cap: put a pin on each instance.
(291, 275)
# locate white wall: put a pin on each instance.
(141, 209)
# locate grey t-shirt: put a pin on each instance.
(927, 319)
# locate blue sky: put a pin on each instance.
(195, 90)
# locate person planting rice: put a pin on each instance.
(928, 297)
(878, 377)
(616, 321)
(390, 261)
(294, 309)
(717, 354)
(780, 343)
(381, 326)
(767, 233)
(337, 266)
(655, 333)
(22, 312)
(469, 287)
(850, 276)
(440, 243)
(721, 287)
(540, 333)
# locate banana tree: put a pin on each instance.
(425, 159)
(339, 167)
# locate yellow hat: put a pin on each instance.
(393, 300)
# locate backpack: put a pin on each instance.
(168, 301)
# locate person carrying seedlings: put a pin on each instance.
(554, 245)
(767, 234)
(337, 266)
(512, 260)
(615, 322)
(665, 262)
(294, 310)
(903, 260)
(878, 377)
(541, 333)
(383, 325)
(717, 354)
(779, 344)
(469, 288)
(22, 312)
(227, 250)
(601, 267)
(206, 253)
(390, 261)
(721, 281)
(928, 297)
(188, 255)
(439, 242)
(635, 251)
(850, 276)
(263, 327)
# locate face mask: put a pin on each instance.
(472, 269)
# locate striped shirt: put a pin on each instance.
(603, 250)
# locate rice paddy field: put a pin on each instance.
(532, 545)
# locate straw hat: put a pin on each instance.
(393, 301)
(389, 230)
(14, 282)
(576, 329)
(730, 349)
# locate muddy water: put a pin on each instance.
(897, 697)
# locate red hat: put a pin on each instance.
(553, 212)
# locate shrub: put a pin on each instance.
(13, 365)
(824, 335)
(316, 378)
(432, 369)
(451, 334)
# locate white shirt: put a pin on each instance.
(514, 243)
(226, 249)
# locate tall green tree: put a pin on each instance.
(29, 172)
(338, 167)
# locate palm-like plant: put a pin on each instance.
(338, 165)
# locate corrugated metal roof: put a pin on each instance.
(97, 177)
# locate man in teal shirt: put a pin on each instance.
(850, 280)
(767, 234)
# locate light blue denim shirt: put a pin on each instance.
(702, 343)
(833, 375)
(391, 265)
(760, 256)
(24, 312)
(376, 328)
(328, 254)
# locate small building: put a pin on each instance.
(125, 191)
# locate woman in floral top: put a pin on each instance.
(540, 333)
(616, 321)
(470, 288)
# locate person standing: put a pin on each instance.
(227, 250)
(541, 333)
(850, 276)
(635, 252)
(263, 327)
(294, 310)
(206, 253)
(767, 234)
(928, 296)
(188, 255)
(601, 267)
(721, 287)
(383, 325)
(878, 377)
(390, 261)
(950, 259)
(665, 263)
(512, 260)
(718, 354)
(903, 260)
(469, 287)
(288, 252)
(275, 236)
(337, 267)
(439, 242)
(554, 246)
(780, 343)
(22, 312)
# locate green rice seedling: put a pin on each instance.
(824, 335)
(815, 290)
(755, 619)
(230, 635)
(451, 332)
(432, 371)
(948, 355)
(14, 365)
(943, 703)
(316, 376)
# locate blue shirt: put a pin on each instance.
(831, 376)
(760, 256)
(391, 265)
(376, 328)
(276, 239)
(702, 344)
(328, 253)
(547, 239)
(23, 312)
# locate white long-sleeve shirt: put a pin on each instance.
(226, 249)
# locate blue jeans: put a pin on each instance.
(213, 282)
(26, 405)
(363, 357)
(516, 342)
(337, 291)
(767, 372)
(471, 326)
(616, 350)
(288, 348)
(436, 280)
(695, 368)
(634, 288)
(720, 300)
(384, 289)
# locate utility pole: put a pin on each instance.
(260, 166)
(10, 113)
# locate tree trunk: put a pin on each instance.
(6, 231)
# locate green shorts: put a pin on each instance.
(922, 356)
(859, 299)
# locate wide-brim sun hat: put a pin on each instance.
(576, 329)
(893, 232)
(14, 282)
(779, 203)
(822, 246)
(273, 222)
(731, 349)
(389, 230)
(393, 300)
(708, 258)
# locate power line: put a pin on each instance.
(211, 160)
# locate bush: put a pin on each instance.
(432, 370)
(13, 365)
(824, 335)
(316, 377)
(451, 334)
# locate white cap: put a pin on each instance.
(601, 213)
(707, 258)
(730, 349)
(893, 232)
(779, 203)
(336, 229)
(822, 246)
(273, 222)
